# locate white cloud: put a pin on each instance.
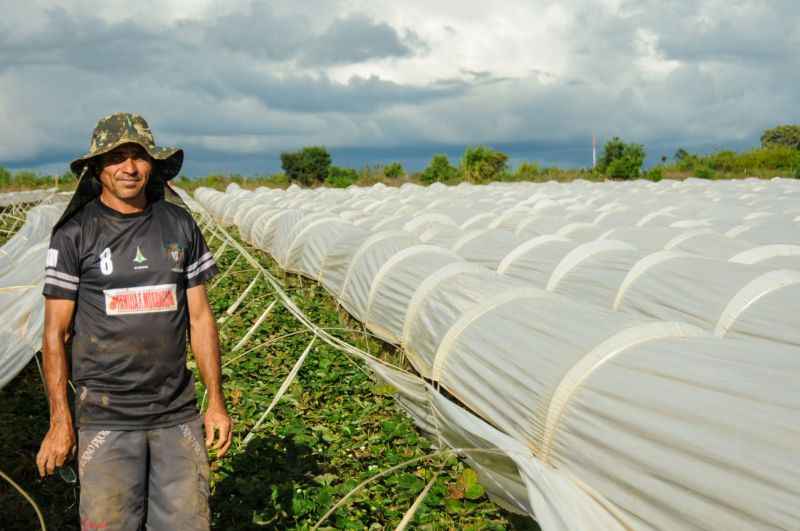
(228, 78)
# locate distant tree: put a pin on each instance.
(482, 164)
(704, 172)
(620, 160)
(5, 177)
(528, 171)
(783, 135)
(439, 170)
(394, 170)
(341, 177)
(655, 174)
(681, 154)
(28, 179)
(307, 166)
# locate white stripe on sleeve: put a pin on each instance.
(199, 262)
(205, 265)
(60, 284)
(63, 276)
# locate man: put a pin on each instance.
(124, 278)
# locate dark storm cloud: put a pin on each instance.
(86, 41)
(237, 88)
(356, 39)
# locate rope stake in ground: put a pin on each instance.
(284, 386)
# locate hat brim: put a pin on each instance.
(167, 161)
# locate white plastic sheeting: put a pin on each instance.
(25, 196)
(597, 337)
(22, 262)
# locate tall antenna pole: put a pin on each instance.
(594, 151)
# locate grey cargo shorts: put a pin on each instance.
(154, 479)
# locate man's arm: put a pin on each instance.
(59, 442)
(205, 346)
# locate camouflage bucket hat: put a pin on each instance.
(111, 132)
(124, 128)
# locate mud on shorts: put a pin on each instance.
(154, 478)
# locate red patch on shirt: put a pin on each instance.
(141, 299)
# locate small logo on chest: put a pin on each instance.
(176, 253)
(139, 259)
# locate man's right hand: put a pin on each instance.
(58, 445)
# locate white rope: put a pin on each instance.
(412, 511)
(28, 498)
(284, 386)
(255, 327)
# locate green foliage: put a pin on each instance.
(774, 157)
(394, 170)
(783, 135)
(439, 170)
(704, 172)
(308, 166)
(760, 160)
(5, 177)
(528, 171)
(655, 174)
(681, 154)
(620, 160)
(24, 179)
(341, 177)
(482, 164)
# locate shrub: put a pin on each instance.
(5, 177)
(28, 179)
(724, 161)
(621, 160)
(528, 171)
(308, 166)
(439, 170)
(394, 170)
(783, 135)
(704, 172)
(655, 174)
(341, 177)
(482, 164)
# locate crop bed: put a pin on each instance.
(334, 428)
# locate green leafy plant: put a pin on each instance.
(481, 164)
(341, 177)
(308, 166)
(394, 170)
(439, 170)
(654, 174)
(782, 135)
(620, 160)
(704, 172)
(528, 171)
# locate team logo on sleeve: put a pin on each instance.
(141, 299)
(177, 254)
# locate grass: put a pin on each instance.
(334, 428)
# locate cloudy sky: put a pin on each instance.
(236, 82)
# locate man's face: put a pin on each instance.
(124, 171)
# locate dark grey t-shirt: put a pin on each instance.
(128, 274)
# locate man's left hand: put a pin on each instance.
(219, 430)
